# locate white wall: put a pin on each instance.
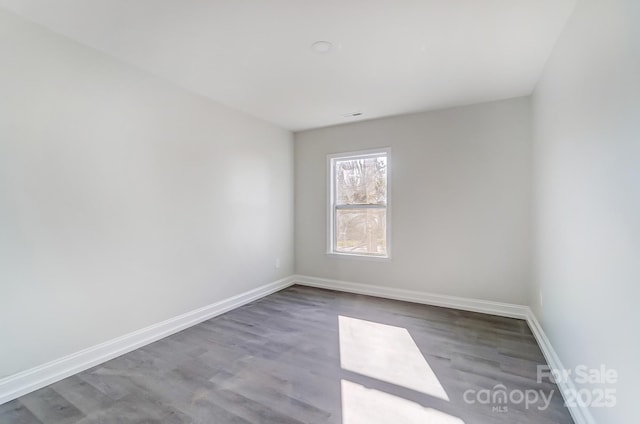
(461, 192)
(587, 196)
(124, 200)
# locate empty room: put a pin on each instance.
(308, 212)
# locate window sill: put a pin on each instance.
(372, 258)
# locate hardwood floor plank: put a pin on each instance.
(49, 407)
(15, 412)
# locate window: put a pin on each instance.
(358, 204)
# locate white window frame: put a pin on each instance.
(331, 203)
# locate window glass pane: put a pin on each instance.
(361, 231)
(361, 181)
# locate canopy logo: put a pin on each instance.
(499, 397)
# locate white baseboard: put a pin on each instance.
(580, 414)
(35, 378)
(463, 303)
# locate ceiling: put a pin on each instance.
(389, 56)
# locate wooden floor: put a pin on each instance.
(278, 360)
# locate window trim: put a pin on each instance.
(331, 204)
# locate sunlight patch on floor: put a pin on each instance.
(361, 405)
(386, 353)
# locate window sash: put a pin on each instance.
(334, 247)
(360, 206)
(334, 206)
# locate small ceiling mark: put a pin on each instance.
(322, 46)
